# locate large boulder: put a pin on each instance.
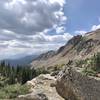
(72, 85)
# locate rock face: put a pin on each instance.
(72, 85)
(41, 89)
(75, 40)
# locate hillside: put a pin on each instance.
(79, 47)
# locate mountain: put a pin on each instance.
(46, 55)
(79, 47)
(21, 61)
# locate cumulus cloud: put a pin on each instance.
(31, 16)
(95, 27)
(25, 26)
(40, 39)
(37, 44)
(60, 30)
(51, 38)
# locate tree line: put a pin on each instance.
(17, 74)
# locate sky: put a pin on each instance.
(35, 26)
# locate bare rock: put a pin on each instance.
(39, 96)
(42, 89)
(72, 85)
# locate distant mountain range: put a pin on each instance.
(21, 61)
(77, 48)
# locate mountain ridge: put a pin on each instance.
(79, 47)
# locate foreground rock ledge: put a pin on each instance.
(41, 89)
(72, 85)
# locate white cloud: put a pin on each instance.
(37, 44)
(32, 16)
(25, 26)
(81, 32)
(95, 27)
(44, 38)
(37, 39)
(60, 30)
(61, 2)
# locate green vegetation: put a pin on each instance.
(41, 70)
(13, 79)
(96, 62)
(12, 91)
(90, 66)
(89, 72)
(58, 67)
(81, 45)
(17, 74)
(20, 74)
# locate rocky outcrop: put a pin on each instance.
(72, 85)
(75, 40)
(42, 88)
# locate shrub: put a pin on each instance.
(96, 62)
(12, 91)
(89, 72)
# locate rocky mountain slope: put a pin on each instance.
(77, 48)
